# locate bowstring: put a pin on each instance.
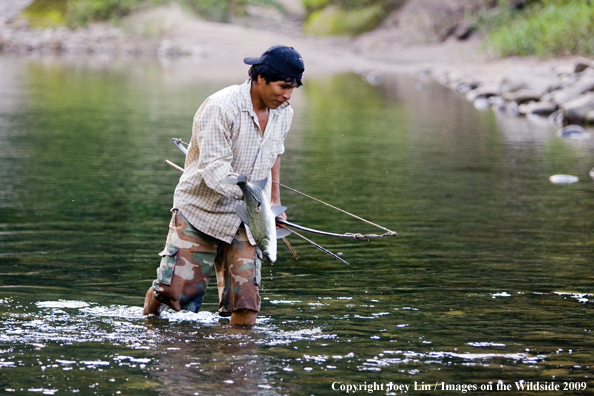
(388, 231)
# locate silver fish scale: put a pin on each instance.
(254, 199)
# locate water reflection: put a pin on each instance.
(488, 280)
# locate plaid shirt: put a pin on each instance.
(227, 141)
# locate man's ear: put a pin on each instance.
(261, 80)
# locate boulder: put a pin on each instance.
(433, 21)
(572, 91)
(512, 108)
(464, 30)
(465, 86)
(482, 104)
(522, 96)
(557, 117)
(575, 110)
(540, 80)
(485, 91)
(575, 132)
(11, 9)
(589, 118)
(543, 109)
(582, 64)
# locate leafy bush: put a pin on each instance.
(547, 28)
(337, 21)
(346, 17)
(225, 10)
(78, 13)
(46, 13)
(82, 12)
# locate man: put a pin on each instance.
(238, 130)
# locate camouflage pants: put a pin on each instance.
(188, 260)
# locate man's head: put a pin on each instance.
(277, 63)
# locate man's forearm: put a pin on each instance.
(275, 188)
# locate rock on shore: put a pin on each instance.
(95, 39)
(564, 94)
(17, 37)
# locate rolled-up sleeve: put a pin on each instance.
(212, 130)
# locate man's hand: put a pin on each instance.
(282, 216)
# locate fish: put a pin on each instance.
(256, 213)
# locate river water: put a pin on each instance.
(487, 288)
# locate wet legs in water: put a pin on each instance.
(154, 307)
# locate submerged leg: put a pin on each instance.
(151, 305)
(238, 268)
(186, 264)
(243, 317)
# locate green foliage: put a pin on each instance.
(215, 10)
(346, 17)
(82, 12)
(548, 28)
(337, 21)
(46, 13)
(315, 5)
(77, 13)
(225, 10)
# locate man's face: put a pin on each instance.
(275, 93)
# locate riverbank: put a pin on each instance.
(171, 33)
(182, 40)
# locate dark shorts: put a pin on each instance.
(188, 260)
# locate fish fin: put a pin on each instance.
(229, 180)
(282, 233)
(233, 179)
(241, 211)
(277, 210)
(261, 184)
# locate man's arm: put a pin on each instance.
(211, 133)
(275, 188)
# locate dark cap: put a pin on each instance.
(281, 58)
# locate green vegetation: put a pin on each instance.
(77, 13)
(337, 21)
(225, 10)
(546, 28)
(346, 17)
(541, 28)
(46, 13)
(82, 12)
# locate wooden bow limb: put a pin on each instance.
(179, 168)
(347, 235)
(291, 248)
